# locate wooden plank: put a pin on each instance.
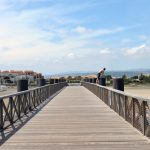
(77, 120)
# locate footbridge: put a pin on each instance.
(86, 117)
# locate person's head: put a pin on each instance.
(104, 69)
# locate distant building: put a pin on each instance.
(11, 76)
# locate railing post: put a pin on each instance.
(133, 112)
(1, 115)
(11, 109)
(124, 101)
(34, 99)
(144, 116)
(19, 106)
(30, 104)
(40, 96)
(119, 104)
(49, 90)
(110, 104)
(125, 107)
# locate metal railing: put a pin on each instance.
(135, 110)
(14, 106)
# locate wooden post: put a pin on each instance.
(144, 117)
(11, 109)
(1, 115)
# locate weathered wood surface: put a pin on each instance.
(77, 120)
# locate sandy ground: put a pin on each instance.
(138, 90)
(11, 90)
(8, 91)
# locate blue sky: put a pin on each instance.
(53, 36)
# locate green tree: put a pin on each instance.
(124, 76)
(108, 77)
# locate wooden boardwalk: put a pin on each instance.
(77, 120)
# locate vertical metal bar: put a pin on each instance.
(49, 90)
(1, 115)
(19, 106)
(29, 98)
(34, 103)
(125, 107)
(38, 97)
(144, 116)
(25, 103)
(119, 104)
(39, 91)
(133, 113)
(111, 98)
(11, 109)
(42, 95)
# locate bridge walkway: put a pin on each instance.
(77, 120)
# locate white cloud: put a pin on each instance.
(109, 31)
(137, 50)
(91, 33)
(71, 56)
(81, 30)
(33, 38)
(105, 51)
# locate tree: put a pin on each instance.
(141, 77)
(78, 78)
(108, 77)
(124, 76)
(135, 77)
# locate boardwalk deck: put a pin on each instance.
(77, 120)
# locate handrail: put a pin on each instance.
(23, 92)
(135, 110)
(14, 106)
(122, 92)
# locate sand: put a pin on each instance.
(139, 90)
(11, 90)
(8, 91)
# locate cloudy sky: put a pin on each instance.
(52, 36)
